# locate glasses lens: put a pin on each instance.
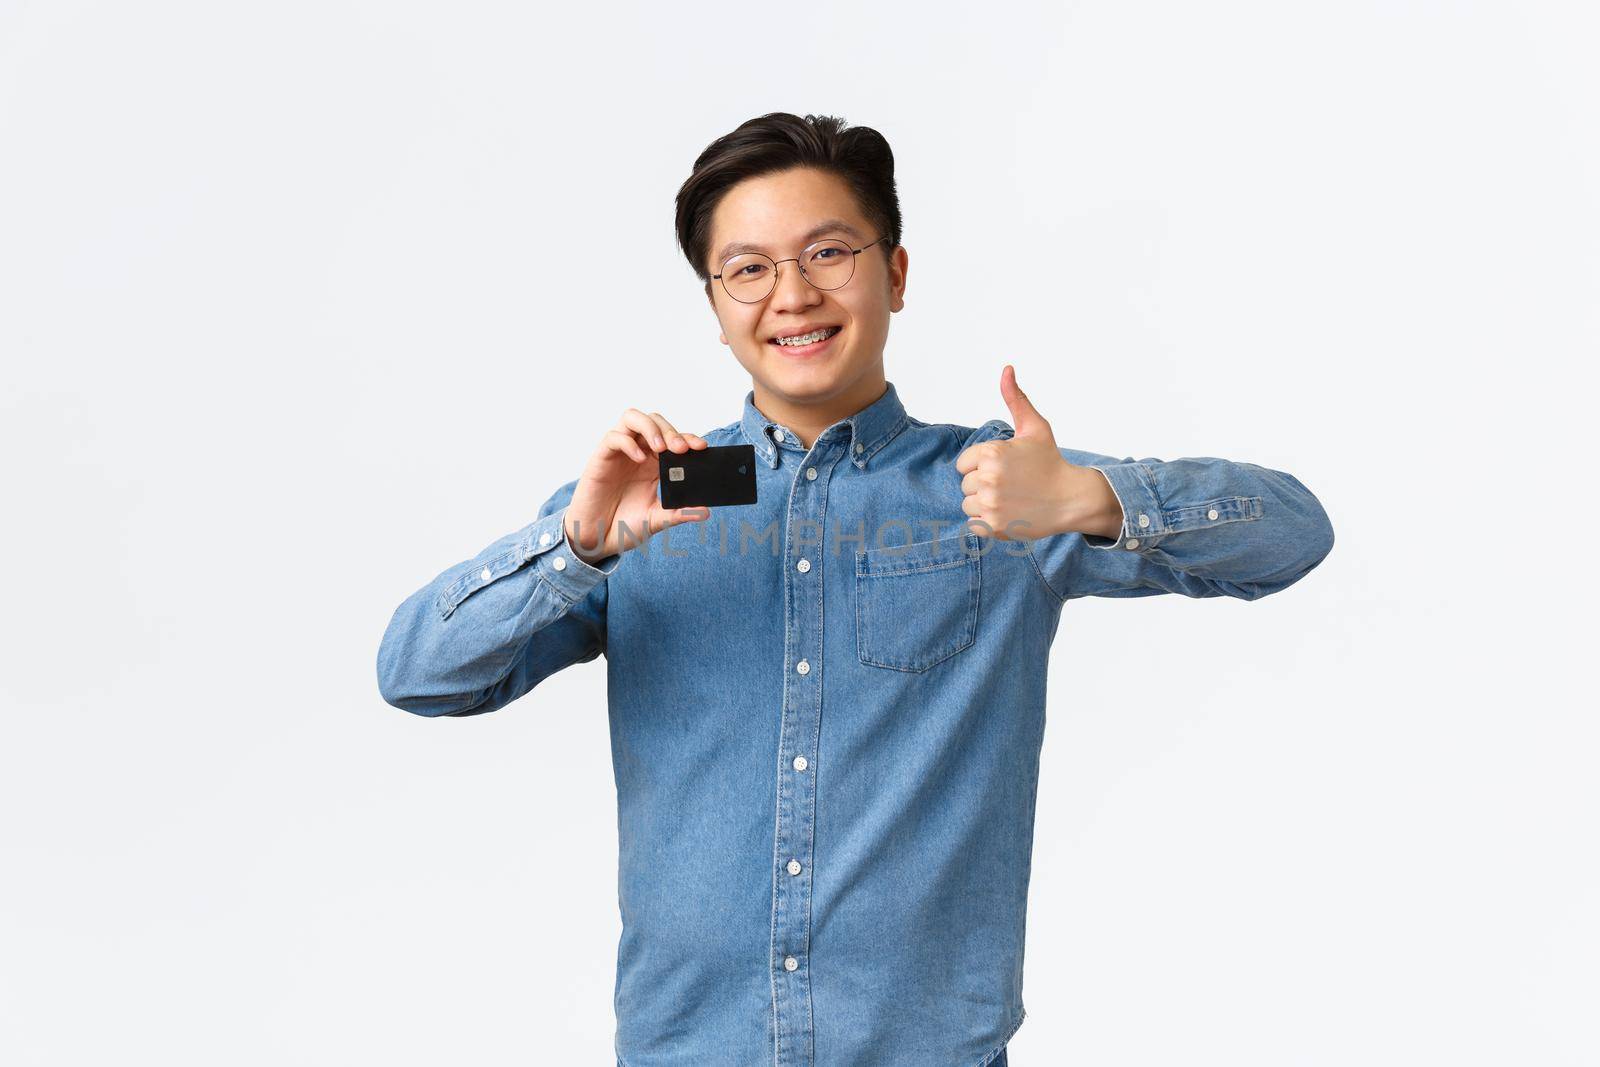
(829, 264)
(748, 277)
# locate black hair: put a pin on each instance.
(780, 141)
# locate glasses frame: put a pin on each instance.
(796, 260)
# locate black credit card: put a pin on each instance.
(710, 477)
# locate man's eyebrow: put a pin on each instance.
(821, 229)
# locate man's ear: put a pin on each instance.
(712, 300)
(898, 264)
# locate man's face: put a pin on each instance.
(777, 214)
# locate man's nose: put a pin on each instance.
(792, 290)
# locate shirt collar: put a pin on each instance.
(868, 429)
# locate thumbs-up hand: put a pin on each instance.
(1023, 488)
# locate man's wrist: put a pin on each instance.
(591, 557)
(1092, 505)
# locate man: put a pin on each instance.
(826, 707)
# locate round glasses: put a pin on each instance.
(750, 277)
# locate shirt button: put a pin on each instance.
(790, 963)
(1211, 514)
(559, 563)
(1144, 520)
(486, 574)
(803, 566)
(860, 448)
(811, 474)
(1133, 542)
(544, 539)
(794, 866)
(799, 763)
(803, 667)
(777, 435)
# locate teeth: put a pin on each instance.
(808, 338)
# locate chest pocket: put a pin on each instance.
(917, 604)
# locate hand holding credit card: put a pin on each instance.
(615, 505)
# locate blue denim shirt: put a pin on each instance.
(826, 711)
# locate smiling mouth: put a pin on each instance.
(806, 340)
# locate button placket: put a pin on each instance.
(802, 708)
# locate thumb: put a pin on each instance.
(667, 517)
(1024, 416)
(661, 518)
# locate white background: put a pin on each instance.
(295, 313)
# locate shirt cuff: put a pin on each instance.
(548, 549)
(1135, 489)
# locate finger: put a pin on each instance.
(979, 527)
(618, 441)
(661, 517)
(675, 440)
(971, 458)
(646, 427)
(972, 483)
(1025, 418)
